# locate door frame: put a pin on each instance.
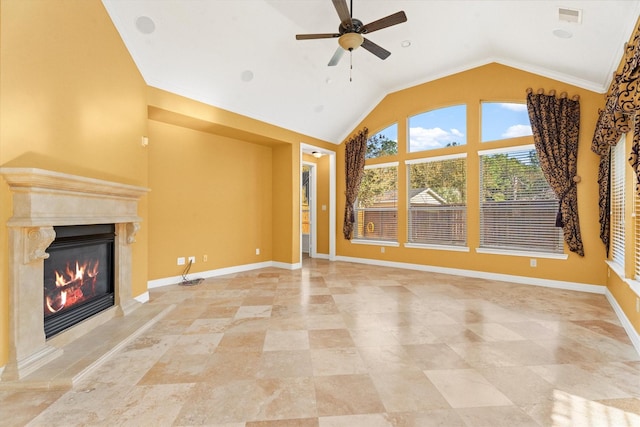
(313, 251)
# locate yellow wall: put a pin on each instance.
(286, 203)
(492, 82)
(72, 101)
(322, 198)
(211, 195)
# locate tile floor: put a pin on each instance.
(339, 344)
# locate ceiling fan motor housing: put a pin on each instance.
(355, 27)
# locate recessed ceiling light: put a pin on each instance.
(405, 43)
(562, 34)
(145, 25)
(246, 76)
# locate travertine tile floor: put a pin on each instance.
(339, 344)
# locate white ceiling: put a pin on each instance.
(202, 49)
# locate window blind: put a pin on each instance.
(437, 201)
(618, 162)
(517, 207)
(377, 204)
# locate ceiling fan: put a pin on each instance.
(351, 30)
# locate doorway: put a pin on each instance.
(317, 202)
(307, 202)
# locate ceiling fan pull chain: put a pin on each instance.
(350, 65)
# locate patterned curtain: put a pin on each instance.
(604, 201)
(355, 150)
(622, 103)
(555, 123)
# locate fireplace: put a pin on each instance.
(78, 275)
(47, 236)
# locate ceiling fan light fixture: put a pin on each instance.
(350, 41)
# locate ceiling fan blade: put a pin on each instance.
(343, 13)
(378, 51)
(396, 18)
(316, 36)
(336, 57)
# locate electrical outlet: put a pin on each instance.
(382, 250)
(204, 258)
(637, 304)
(533, 262)
(181, 260)
(192, 259)
(257, 251)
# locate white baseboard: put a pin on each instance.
(157, 283)
(143, 298)
(624, 320)
(321, 256)
(558, 284)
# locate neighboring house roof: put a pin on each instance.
(425, 196)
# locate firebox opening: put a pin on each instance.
(78, 275)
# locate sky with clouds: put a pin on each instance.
(439, 128)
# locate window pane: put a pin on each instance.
(383, 143)
(377, 205)
(437, 202)
(503, 120)
(618, 162)
(444, 127)
(517, 207)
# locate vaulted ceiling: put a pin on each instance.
(242, 55)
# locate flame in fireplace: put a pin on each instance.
(72, 285)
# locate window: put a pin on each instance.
(618, 162)
(444, 127)
(517, 207)
(383, 143)
(504, 120)
(377, 204)
(437, 201)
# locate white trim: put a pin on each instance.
(508, 149)
(332, 207)
(626, 324)
(374, 242)
(437, 247)
(285, 266)
(558, 284)
(382, 165)
(142, 298)
(435, 159)
(322, 256)
(529, 254)
(157, 283)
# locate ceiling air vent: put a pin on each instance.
(570, 15)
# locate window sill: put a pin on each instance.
(521, 253)
(375, 242)
(633, 284)
(437, 247)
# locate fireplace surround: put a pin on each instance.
(42, 200)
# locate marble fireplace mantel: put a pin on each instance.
(43, 199)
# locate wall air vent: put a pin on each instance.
(570, 15)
